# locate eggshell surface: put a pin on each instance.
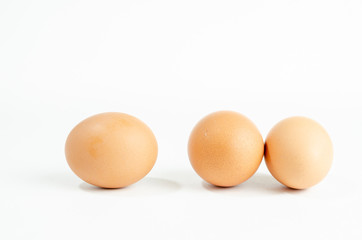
(225, 148)
(111, 150)
(298, 152)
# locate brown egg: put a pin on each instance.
(298, 152)
(111, 150)
(225, 148)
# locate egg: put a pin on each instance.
(298, 152)
(225, 148)
(111, 150)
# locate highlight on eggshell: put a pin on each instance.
(298, 152)
(225, 148)
(111, 150)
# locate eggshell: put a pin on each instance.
(225, 148)
(111, 150)
(298, 152)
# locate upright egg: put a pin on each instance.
(225, 148)
(298, 152)
(111, 150)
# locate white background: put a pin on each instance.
(170, 63)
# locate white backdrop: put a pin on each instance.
(170, 63)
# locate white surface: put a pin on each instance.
(170, 63)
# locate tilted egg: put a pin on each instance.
(298, 152)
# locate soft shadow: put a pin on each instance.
(188, 179)
(259, 184)
(61, 180)
(166, 182)
(146, 187)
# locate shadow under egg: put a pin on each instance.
(146, 187)
(259, 184)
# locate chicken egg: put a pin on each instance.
(298, 152)
(111, 150)
(225, 148)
